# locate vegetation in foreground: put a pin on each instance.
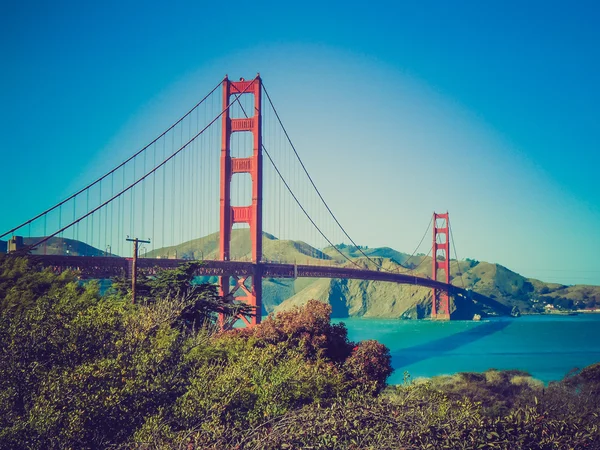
(78, 370)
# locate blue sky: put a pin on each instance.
(486, 109)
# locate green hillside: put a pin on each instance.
(273, 249)
(362, 298)
(59, 246)
(377, 252)
(358, 298)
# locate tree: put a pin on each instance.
(201, 301)
(78, 370)
(22, 281)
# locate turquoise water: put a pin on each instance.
(545, 346)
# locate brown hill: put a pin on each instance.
(351, 298)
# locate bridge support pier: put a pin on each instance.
(250, 214)
(440, 300)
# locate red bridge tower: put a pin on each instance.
(440, 304)
(250, 214)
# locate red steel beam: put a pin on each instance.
(250, 214)
(440, 301)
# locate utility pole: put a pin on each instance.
(135, 241)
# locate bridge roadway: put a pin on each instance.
(107, 267)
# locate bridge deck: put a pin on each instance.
(106, 267)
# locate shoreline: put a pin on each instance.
(560, 313)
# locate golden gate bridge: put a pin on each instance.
(180, 189)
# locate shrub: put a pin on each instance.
(369, 366)
(307, 328)
(81, 371)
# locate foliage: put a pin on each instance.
(418, 417)
(78, 370)
(22, 282)
(369, 366)
(497, 392)
(308, 329)
(202, 301)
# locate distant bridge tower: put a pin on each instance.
(250, 214)
(440, 307)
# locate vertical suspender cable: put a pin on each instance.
(60, 218)
(143, 226)
(131, 187)
(451, 237)
(87, 208)
(182, 199)
(210, 219)
(122, 217)
(132, 196)
(173, 197)
(112, 209)
(45, 230)
(74, 217)
(164, 195)
(116, 168)
(153, 198)
(190, 181)
(105, 230)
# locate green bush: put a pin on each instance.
(79, 371)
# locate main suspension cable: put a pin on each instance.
(456, 254)
(315, 187)
(422, 260)
(420, 242)
(147, 174)
(304, 211)
(311, 180)
(290, 189)
(116, 168)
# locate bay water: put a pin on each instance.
(546, 346)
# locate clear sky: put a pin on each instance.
(489, 110)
